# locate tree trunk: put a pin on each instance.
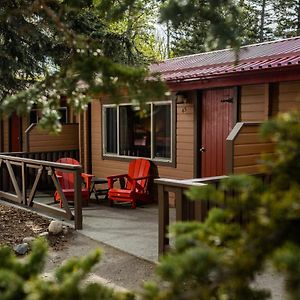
(262, 21)
(298, 18)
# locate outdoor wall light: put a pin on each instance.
(181, 98)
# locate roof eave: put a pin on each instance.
(287, 73)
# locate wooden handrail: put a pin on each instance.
(20, 195)
(185, 209)
(30, 161)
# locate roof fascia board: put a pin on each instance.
(238, 79)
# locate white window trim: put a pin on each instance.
(117, 155)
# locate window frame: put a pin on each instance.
(117, 156)
(37, 110)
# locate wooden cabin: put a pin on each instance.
(21, 134)
(209, 126)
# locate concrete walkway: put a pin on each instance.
(134, 231)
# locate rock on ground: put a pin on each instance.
(55, 227)
(17, 224)
(21, 249)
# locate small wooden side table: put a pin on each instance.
(99, 191)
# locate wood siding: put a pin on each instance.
(254, 102)
(289, 96)
(246, 146)
(185, 140)
(103, 167)
(40, 140)
(259, 103)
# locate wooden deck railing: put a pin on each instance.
(185, 209)
(10, 166)
(45, 183)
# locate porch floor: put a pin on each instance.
(134, 231)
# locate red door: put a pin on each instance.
(216, 124)
(15, 130)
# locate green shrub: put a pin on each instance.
(22, 279)
(219, 259)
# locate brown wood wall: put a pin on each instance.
(289, 96)
(185, 145)
(253, 102)
(25, 124)
(258, 103)
(248, 148)
(68, 139)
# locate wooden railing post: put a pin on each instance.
(23, 176)
(1, 175)
(78, 199)
(163, 219)
(27, 138)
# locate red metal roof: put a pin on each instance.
(268, 55)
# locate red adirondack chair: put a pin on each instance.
(66, 181)
(137, 183)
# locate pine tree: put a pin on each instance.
(220, 259)
(196, 26)
(25, 47)
(253, 24)
(80, 57)
(138, 25)
(288, 18)
(23, 279)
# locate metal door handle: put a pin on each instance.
(202, 149)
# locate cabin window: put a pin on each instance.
(129, 133)
(110, 133)
(36, 114)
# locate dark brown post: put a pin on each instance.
(77, 199)
(14, 180)
(34, 187)
(163, 219)
(23, 176)
(182, 205)
(201, 210)
(1, 175)
(27, 137)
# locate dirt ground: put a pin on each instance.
(116, 267)
(15, 224)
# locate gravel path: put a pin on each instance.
(116, 267)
